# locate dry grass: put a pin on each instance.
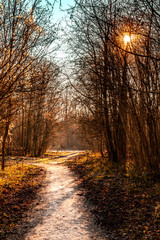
(126, 203)
(18, 185)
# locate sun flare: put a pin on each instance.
(127, 39)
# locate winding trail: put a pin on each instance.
(59, 212)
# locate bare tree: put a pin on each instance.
(36, 119)
(26, 32)
(116, 50)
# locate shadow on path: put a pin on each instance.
(59, 212)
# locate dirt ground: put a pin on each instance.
(60, 210)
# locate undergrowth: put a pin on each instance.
(126, 204)
(18, 185)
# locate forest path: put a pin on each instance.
(59, 212)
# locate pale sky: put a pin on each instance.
(65, 4)
(59, 17)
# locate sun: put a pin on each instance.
(127, 39)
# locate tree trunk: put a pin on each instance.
(4, 143)
(6, 134)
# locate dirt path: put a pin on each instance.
(59, 213)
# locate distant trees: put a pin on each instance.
(67, 136)
(26, 32)
(38, 105)
(117, 80)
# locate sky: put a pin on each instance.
(65, 4)
(59, 16)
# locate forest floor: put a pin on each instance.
(128, 205)
(18, 187)
(59, 210)
(92, 200)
